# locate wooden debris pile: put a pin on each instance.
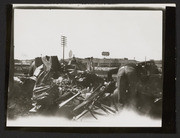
(54, 88)
(85, 93)
(68, 89)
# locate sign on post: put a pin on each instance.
(105, 53)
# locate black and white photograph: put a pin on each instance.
(85, 65)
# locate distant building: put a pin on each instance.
(21, 67)
(158, 63)
(109, 62)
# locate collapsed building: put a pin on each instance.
(69, 88)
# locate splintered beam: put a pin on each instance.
(68, 100)
(89, 100)
(80, 115)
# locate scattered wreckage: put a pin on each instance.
(54, 88)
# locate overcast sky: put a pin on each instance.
(123, 33)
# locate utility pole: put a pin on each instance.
(63, 44)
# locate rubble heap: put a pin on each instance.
(66, 89)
